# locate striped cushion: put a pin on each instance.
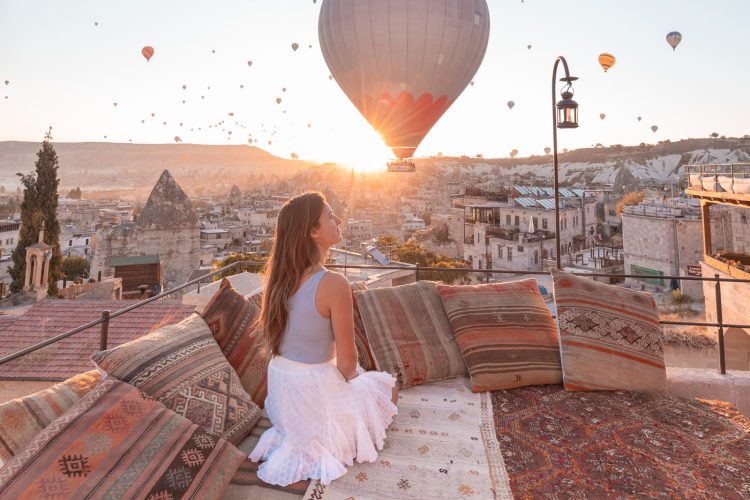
(182, 367)
(506, 334)
(116, 442)
(23, 418)
(609, 336)
(232, 319)
(409, 333)
(364, 353)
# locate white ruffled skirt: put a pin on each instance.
(321, 422)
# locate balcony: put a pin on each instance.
(727, 183)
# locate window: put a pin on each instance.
(85, 251)
(87, 241)
(499, 252)
(536, 256)
(70, 243)
(520, 249)
(544, 223)
(518, 221)
(612, 212)
(536, 222)
(507, 219)
(510, 253)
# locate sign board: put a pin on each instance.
(694, 270)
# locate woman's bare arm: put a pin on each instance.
(337, 295)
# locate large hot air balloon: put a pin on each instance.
(418, 58)
(148, 52)
(511, 104)
(674, 38)
(654, 128)
(606, 60)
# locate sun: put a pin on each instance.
(364, 152)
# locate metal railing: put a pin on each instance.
(107, 315)
(719, 177)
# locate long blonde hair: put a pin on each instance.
(292, 253)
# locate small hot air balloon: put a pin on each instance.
(242, 86)
(602, 116)
(96, 24)
(513, 153)
(654, 128)
(278, 100)
(309, 125)
(7, 82)
(249, 63)
(153, 114)
(511, 104)
(528, 46)
(184, 87)
(673, 39)
(148, 52)
(283, 89)
(213, 51)
(547, 151)
(177, 138)
(114, 104)
(295, 46)
(405, 103)
(330, 77)
(639, 118)
(606, 60)
(472, 83)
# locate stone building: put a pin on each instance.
(168, 226)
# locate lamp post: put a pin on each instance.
(564, 115)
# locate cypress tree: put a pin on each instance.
(39, 211)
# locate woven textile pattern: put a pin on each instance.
(506, 334)
(364, 354)
(609, 336)
(117, 442)
(23, 418)
(182, 366)
(409, 334)
(232, 319)
(619, 444)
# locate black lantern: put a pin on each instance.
(567, 110)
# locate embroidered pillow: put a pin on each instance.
(23, 418)
(409, 334)
(117, 442)
(364, 353)
(182, 367)
(232, 319)
(506, 334)
(609, 336)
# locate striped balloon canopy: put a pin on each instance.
(403, 62)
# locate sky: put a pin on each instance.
(69, 62)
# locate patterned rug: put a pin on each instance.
(620, 444)
(440, 445)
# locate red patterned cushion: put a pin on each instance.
(182, 366)
(117, 442)
(232, 319)
(506, 334)
(609, 336)
(364, 354)
(409, 333)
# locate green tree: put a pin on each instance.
(386, 244)
(236, 257)
(39, 211)
(413, 253)
(74, 267)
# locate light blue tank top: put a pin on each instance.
(308, 336)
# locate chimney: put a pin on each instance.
(41, 236)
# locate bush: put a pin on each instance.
(680, 298)
(75, 267)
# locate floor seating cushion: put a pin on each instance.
(182, 366)
(609, 336)
(118, 442)
(23, 418)
(409, 333)
(506, 334)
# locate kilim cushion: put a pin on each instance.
(409, 334)
(117, 442)
(182, 367)
(232, 319)
(609, 336)
(23, 418)
(506, 334)
(364, 354)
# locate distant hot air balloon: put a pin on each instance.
(602, 116)
(96, 23)
(184, 87)
(674, 38)
(606, 60)
(511, 104)
(114, 104)
(7, 82)
(528, 46)
(654, 128)
(249, 63)
(177, 138)
(295, 46)
(639, 118)
(278, 100)
(547, 151)
(404, 101)
(148, 52)
(513, 153)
